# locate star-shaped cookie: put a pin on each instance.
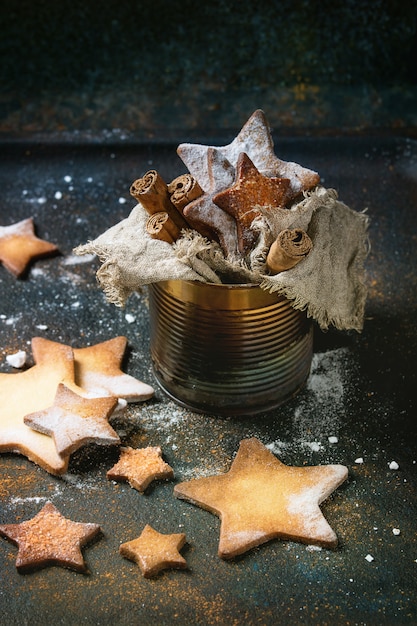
(30, 391)
(254, 139)
(140, 466)
(74, 421)
(260, 499)
(251, 189)
(204, 215)
(19, 246)
(154, 551)
(49, 538)
(97, 371)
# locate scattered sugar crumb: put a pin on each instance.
(393, 465)
(41, 326)
(12, 320)
(41, 200)
(359, 460)
(277, 447)
(17, 360)
(369, 558)
(90, 179)
(315, 446)
(312, 548)
(333, 439)
(122, 200)
(58, 195)
(67, 178)
(396, 531)
(130, 318)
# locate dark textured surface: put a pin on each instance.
(362, 389)
(153, 67)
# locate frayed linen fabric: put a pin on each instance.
(329, 283)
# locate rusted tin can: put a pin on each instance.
(227, 349)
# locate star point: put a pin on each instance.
(49, 538)
(19, 246)
(98, 371)
(154, 551)
(260, 499)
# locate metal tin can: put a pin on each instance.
(227, 349)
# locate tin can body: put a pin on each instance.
(227, 349)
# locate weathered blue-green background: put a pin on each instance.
(152, 67)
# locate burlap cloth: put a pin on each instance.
(328, 283)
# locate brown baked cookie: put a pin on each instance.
(205, 216)
(251, 189)
(19, 246)
(49, 538)
(260, 499)
(153, 551)
(140, 466)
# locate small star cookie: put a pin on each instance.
(19, 246)
(260, 499)
(250, 189)
(74, 421)
(49, 538)
(154, 551)
(139, 467)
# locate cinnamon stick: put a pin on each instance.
(183, 190)
(152, 192)
(161, 226)
(290, 247)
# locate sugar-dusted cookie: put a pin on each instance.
(19, 246)
(34, 390)
(254, 139)
(49, 538)
(154, 551)
(260, 499)
(204, 215)
(74, 421)
(140, 466)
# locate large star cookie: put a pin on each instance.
(49, 538)
(140, 467)
(260, 498)
(154, 551)
(30, 391)
(251, 189)
(254, 139)
(74, 421)
(19, 246)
